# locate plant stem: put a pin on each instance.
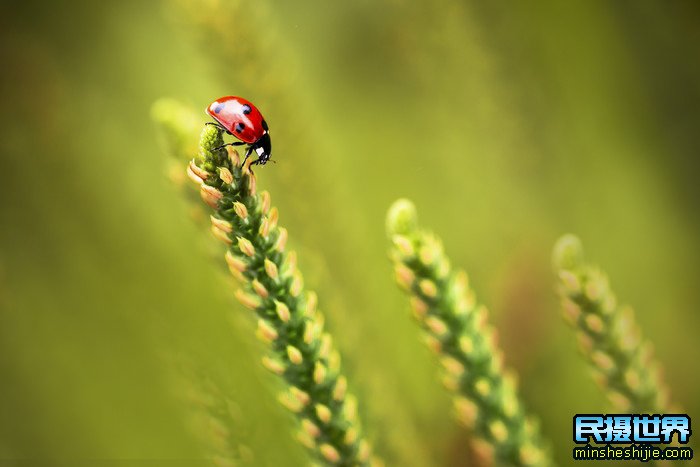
(608, 335)
(300, 351)
(458, 332)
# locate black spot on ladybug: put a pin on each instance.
(246, 109)
(264, 125)
(218, 108)
(239, 127)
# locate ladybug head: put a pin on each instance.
(263, 147)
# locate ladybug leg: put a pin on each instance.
(218, 125)
(235, 143)
(247, 154)
(263, 161)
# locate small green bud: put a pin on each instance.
(323, 413)
(299, 395)
(402, 218)
(306, 440)
(225, 175)
(275, 366)
(350, 409)
(568, 253)
(266, 332)
(329, 453)
(247, 300)
(340, 389)
(436, 326)
(210, 195)
(246, 246)
(403, 245)
(291, 401)
(236, 265)
(466, 411)
(271, 269)
(363, 450)
(265, 202)
(351, 436)
(310, 428)
(294, 355)
(498, 430)
(260, 289)
(220, 233)
(240, 209)
(210, 138)
(282, 311)
(319, 373)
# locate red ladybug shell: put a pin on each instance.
(240, 118)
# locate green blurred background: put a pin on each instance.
(508, 124)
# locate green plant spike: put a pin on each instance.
(300, 351)
(457, 331)
(608, 335)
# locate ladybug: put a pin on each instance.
(240, 118)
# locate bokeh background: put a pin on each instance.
(508, 124)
